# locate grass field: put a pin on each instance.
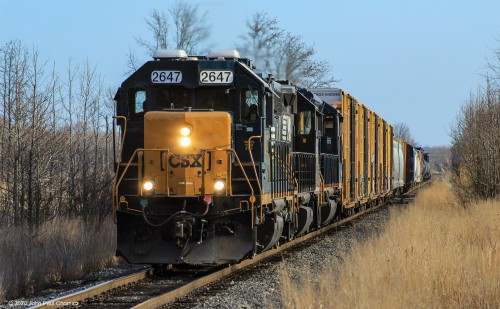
(432, 254)
(63, 249)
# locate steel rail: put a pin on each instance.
(94, 290)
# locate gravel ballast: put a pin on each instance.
(260, 286)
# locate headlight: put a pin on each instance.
(219, 185)
(148, 185)
(185, 141)
(185, 131)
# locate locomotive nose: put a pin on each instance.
(192, 159)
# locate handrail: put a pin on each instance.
(252, 196)
(119, 179)
(289, 176)
(253, 162)
(128, 165)
(284, 169)
(295, 204)
(113, 196)
(321, 188)
(310, 167)
(256, 175)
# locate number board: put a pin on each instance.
(216, 77)
(166, 77)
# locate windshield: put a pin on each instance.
(172, 97)
(212, 98)
(200, 98)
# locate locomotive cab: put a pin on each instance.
(193, 169)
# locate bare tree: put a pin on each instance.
(402, 131)
(186, 23)
(15, 63)
(53, 142)
(158, 25)
(132, 62)
(53, 163)
(494, 68)
(295, 61)
(260, 41)
(284, 55)
(190, 26)
(294, 54)
(316, 74)
(475, 145)
(31, 148)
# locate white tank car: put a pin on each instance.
(399, 163)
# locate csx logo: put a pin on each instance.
(184, 160)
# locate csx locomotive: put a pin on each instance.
(218, 162)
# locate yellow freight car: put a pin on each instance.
(367, 157)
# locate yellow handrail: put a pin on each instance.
(252, 196)
(119, 177)
(256, 177)
(118, 182)
(113, 196)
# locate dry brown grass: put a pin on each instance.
(434, 254)
(63, 249)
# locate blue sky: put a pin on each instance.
(410, 61)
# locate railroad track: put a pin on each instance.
(145, 290)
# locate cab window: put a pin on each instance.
(136, 101)
(249, 108)
(140, 98)
(215, 99)
(172, 97)
(305, 123)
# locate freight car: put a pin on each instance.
(426, 168)
(218, 162)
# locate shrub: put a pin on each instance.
(476, 144)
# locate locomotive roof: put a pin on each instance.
(191, 66)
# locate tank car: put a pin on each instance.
(398, 165)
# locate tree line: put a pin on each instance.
(476, 140)
(55, 140)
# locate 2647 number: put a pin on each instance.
(166, 77)
(216, 77)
